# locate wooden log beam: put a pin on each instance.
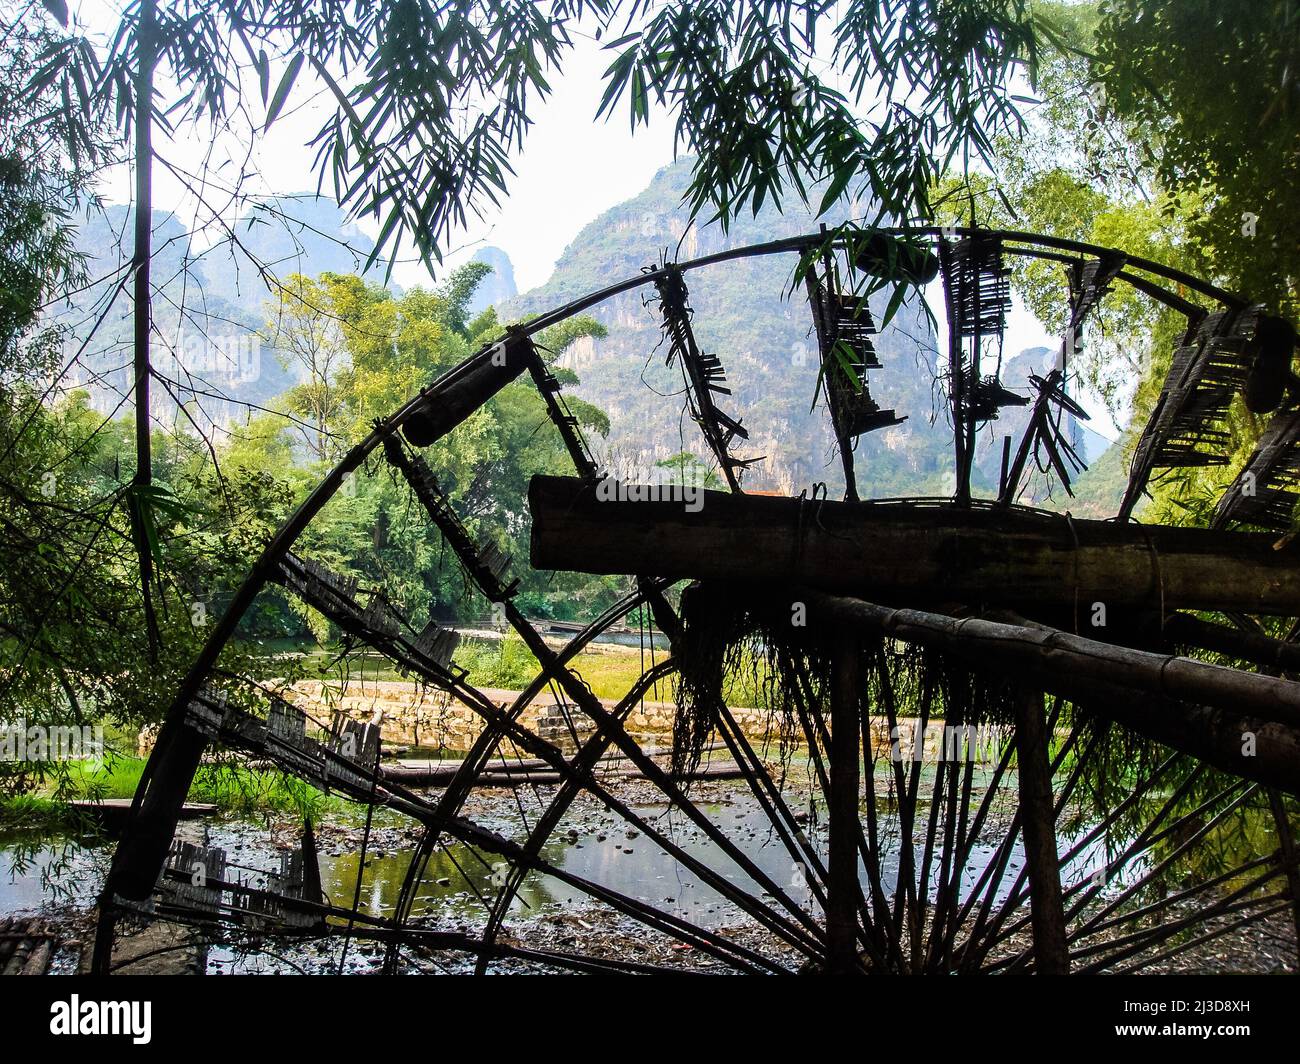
(908, 552)
(1241, 722)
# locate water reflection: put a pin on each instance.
(40, 871)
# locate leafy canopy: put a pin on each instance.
(432, 97)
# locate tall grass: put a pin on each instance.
(233, 788)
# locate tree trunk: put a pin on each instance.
(142, 310)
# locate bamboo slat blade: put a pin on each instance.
(1267, 489)
(1188, 427)
(704, 376)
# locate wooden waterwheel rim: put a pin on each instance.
(1063, 855)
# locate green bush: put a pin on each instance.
(506, 663)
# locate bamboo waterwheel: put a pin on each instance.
(951, 770)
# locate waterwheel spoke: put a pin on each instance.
(818, 743)
(578, 777)
(582, 765)
(495, 729)
(1200, 940)
(1098, 921)
(773, 803)
(1125, 947)
(998, 932)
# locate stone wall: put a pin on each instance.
(411, 716)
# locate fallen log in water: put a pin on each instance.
(112, 814)
(909, 552)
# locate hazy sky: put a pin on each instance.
(572, 169)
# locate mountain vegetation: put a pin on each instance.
(747, 313)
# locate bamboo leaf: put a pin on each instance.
(57, 8)
(263, 74)
(282, 90)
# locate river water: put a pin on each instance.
(590, 842)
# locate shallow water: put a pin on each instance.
(589, 843)
(458, 885)
(35, 873)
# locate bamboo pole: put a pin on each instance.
(1034, 776)
(843, 894)
(1290, 857)
(1245, 723)
(1274, 654)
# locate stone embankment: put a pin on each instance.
(411, 716)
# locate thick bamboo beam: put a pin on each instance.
(1241, 722)
(1274, 654)
(451, 403)
(1146, 631)
(909, 552)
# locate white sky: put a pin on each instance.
(572, 169)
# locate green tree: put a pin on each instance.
(39, 186)
(927, 83)
(690, 469)
(432, 98)
(1209, 88)
(1159, 126)
(308, 338)
(390, 346)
